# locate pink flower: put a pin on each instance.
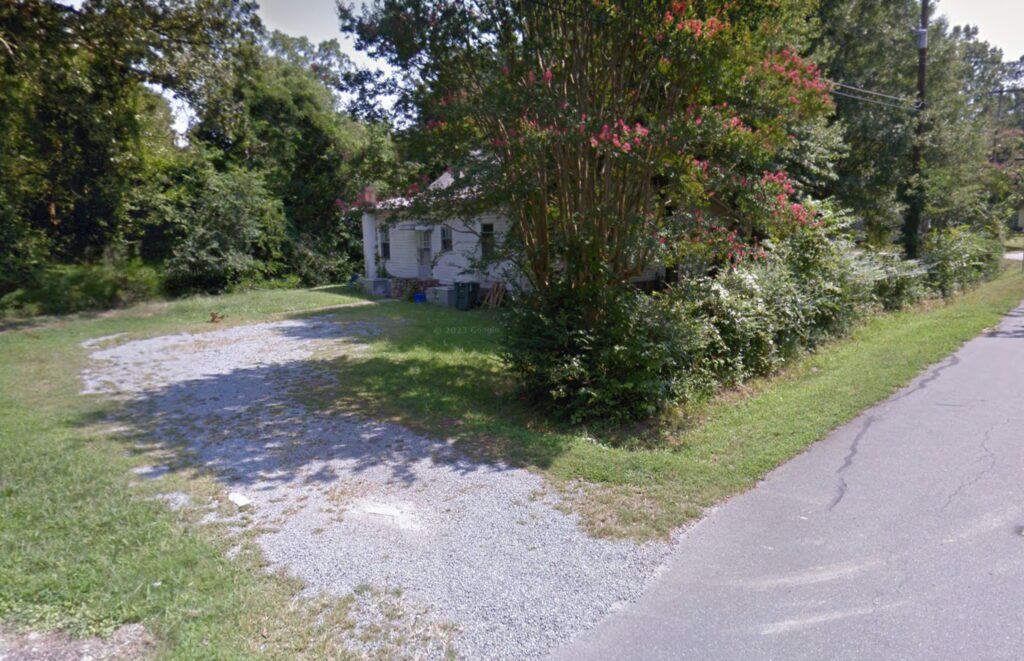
(548, 76)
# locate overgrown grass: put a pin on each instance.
(439, 372)
(1014, 242)
(79, 550)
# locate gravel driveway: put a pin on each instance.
(351, 503)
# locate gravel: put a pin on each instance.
(352, 503)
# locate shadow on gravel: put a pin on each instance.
(237, 404)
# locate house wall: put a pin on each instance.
(403, 262)
(452, 265)
(449, 266)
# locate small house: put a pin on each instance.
(431, 258)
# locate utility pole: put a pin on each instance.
(912, 226)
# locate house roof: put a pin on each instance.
(441, 183)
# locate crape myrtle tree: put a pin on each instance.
(600, 127)
(614, 135)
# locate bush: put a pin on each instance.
(647, 352)
(61, 289)
(232, 233)
(835, 290)
(958, 257)
(898, 282)
(319, 262)
(624, 365)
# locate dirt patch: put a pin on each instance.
(131, 641)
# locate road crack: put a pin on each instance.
(928, 380)
(988, 457)
(842, 486)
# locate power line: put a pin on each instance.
(872, 92)
(873, 101)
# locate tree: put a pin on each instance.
(605, 129)
(869, 44)
(284, 121)
(73, 97)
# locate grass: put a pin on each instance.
(439, 373)
(1014, 242)
(81, 551)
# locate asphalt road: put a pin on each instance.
(900, 536)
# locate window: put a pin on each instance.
(486, 240)
(384, 242)
(446, 238)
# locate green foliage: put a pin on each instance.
(898, 282)
(957, 258)
(91, 166)
(625, 366)
(867, 44)
(276, 113)
(73, 104)
(705, 333)
(232, 232)
(64, 288)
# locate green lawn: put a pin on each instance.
(80, 550)
(1014, 242)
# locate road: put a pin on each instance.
(900, 536)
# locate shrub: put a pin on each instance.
(319, 261)
(232, 230)
(639, 355)
(23, 250)
(835, 292)
(958, 257)
(898, 282)
(646, 352)
(61, 289)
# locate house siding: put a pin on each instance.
(453, 265)
(403, 262)
(450, 265)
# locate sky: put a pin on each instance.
(1001, 22)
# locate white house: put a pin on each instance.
(445, 252)
(439, 254)
(403, 253)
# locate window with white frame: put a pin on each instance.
(446, 238)
(384, 242)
